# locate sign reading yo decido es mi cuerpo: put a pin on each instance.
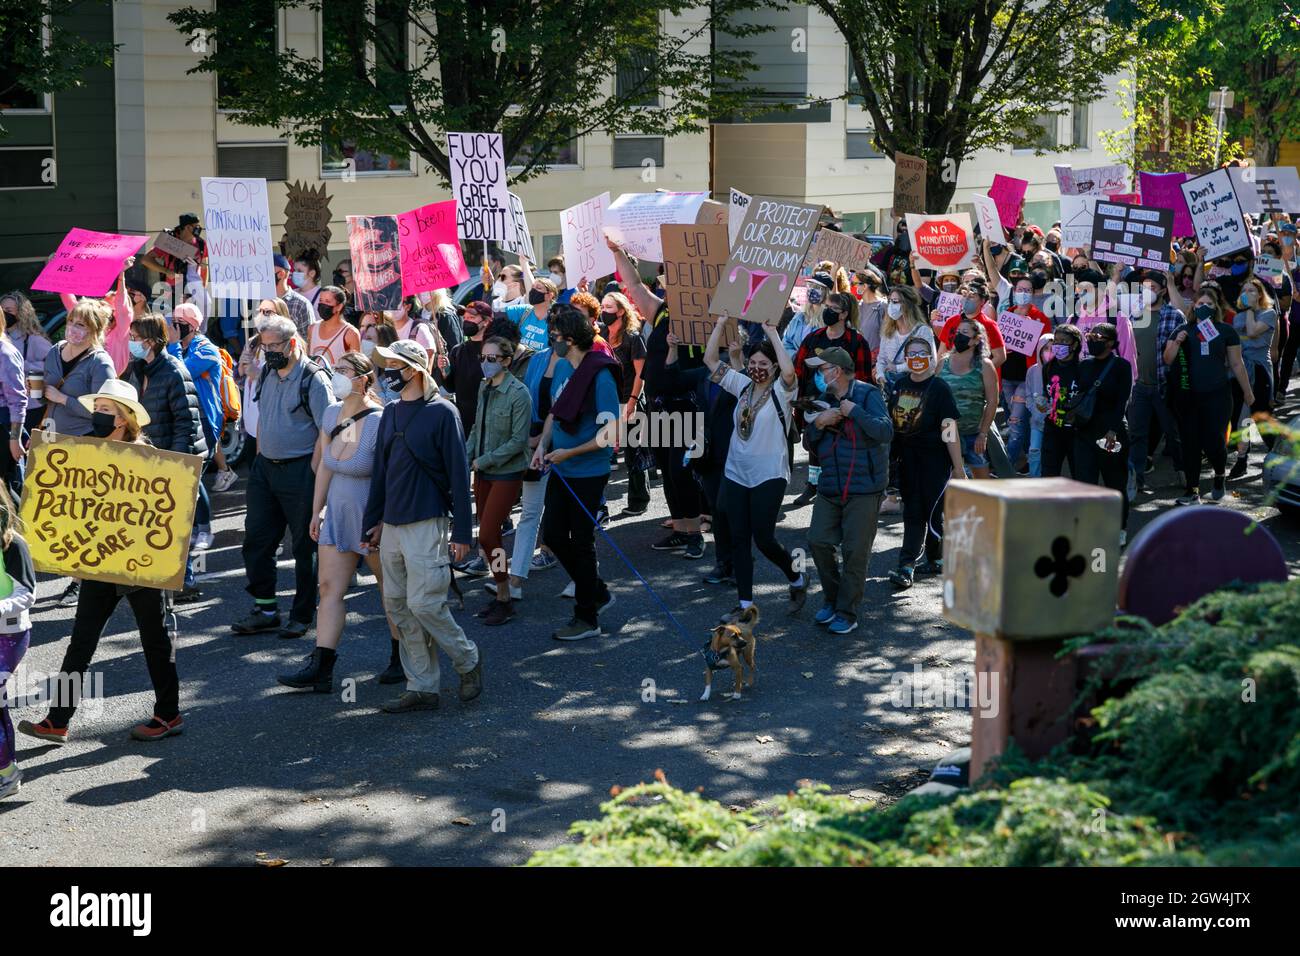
(109, 511)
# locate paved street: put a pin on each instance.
(317, 778)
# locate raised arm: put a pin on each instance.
(646, 302)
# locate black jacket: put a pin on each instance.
(167, 393)
(1112, 395)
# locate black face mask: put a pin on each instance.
(184, 331)
(1097, 348)
(393, 378)
(276, 361)
(1053, 245)
(11, 319)
(1204, 313)
(470, 329)
(102, 424)
(535, 297)
(961, 342)
(831, 316)
(326, 312)
(1039, 279)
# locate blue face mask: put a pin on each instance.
(137, 349)
(1239, 268)
(1022, 298)
(815, 295)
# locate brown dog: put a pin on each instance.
(732, 645)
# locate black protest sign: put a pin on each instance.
(1135, 236)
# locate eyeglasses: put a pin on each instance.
(274, 346)
(267, 312)
(491, 358)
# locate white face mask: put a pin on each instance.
(395, 317)
(895, 309)
(498, 290)
(342, 386)
(367, 347)
(558, 279)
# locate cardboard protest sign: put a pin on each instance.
(1132, 235)
(1160, 190)
(633, 219)
(1100, 180)
(166, 243)
(109, 510)
(87, 262)
(519, 240)
(237, 230)
(1065, 179)
(990, 223)
(307, 220)
(586, 256)
(427, 248)
(376, 264)
(1077, 214)
(1019, 332)
(765, 259)
(909, 184)
(1216, 214)
(1266, 190)
(942, 242)
(478, 183)
(694, 257)
(736, 213)
(1009, 193)
(851, 254)
(948, 304)
(712, 213)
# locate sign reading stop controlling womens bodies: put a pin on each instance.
(428, 250)
(109, 511)
(237, 230)
(769, 251)
(87, 262)
(478, 183)
(942, 242)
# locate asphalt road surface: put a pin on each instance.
(331, 780)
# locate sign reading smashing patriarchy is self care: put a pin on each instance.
(767, 255)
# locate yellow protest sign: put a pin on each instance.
(109, 511)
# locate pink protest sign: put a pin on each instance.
(429, 252)
(1008, 192)
(1132, 199)
(1161, 190)
(87, 262)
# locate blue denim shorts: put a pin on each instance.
(968, 452)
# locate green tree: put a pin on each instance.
(541, 72)
(34, 64)
(943, 79)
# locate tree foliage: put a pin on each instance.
(943, 79)
(541, 72)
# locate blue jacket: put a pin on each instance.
(204, 365)
(855, 456)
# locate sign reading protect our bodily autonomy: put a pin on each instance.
(767, 255)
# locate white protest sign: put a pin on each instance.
(237, 227)
(1100, 180)
(478, 184)
(1020, 332)
(1270, 268)
(1208, 332)
(990, 223)
(942, 241)
(1065, 179)
(519, 240)
(1265, 190)
(1216, 214)
(633, 219)
(736, 213)
(1077, 213)
(949, 304)
(586, 256)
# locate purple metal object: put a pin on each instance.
(1187, 553)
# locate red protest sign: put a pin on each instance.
(941, 242)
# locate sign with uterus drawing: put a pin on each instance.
(767, 255)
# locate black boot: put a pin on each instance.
(393, 673)
(317, 675)
(1240, 465)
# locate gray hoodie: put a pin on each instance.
(92, 371)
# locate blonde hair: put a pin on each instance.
(842, 283)
(27, 323)
(911, 310)
(1265, 297)
(439, 300)
(95, 315)
(631, 317)
(131, 430)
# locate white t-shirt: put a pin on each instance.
(763, 456)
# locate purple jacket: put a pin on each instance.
(13, 381)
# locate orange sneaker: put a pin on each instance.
(44, 731)
(157, 728)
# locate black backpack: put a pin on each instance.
(311, 368)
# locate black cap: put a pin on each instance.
(187, 219)
(823, 278)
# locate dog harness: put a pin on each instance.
(712, 659)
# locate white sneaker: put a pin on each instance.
(202, 541)
(569, 591)
(225, 480)
(516, 594)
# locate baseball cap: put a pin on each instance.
(823, 278)
(281, 262)
(407, 351)
(479, 310)
(1286, 227)
(831, 356)
(1015, 264)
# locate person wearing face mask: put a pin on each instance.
(346, 455)
(1101, 443)
(871, 307)
(187, 276)
(292, 394)
(927, 443)
(1037, 400)
(511, 287)
(330, 337)
(499, 453)
(1256, 325)
(621, 327)
(1061, 388)
(203, 362)
(166, 389)
(77, 366)
(301, 311)
(1281, 289)
(531, 315)
(251, 362)
(118, 416)
(975, 298)
(758, 467)
(1201, 356)
(1014, 370)
(306, 277)
(555, 272)
(904, 319)
(973, 381)
(1152, 328)
(945, 280)
(1291, 265)
(465, 371)
(805, 320)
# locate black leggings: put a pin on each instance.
(1058, 448)
(1203, 424)
(922, 475)
(1263, 390)
(1092, 462)
(1287, 362)
(711, 481)
(752, 514)
(681, 488)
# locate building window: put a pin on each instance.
(853, 86)
(392, 50)
(564, 153)
(27, 167)
(13, 38)
(861, 144)
(261, 37)
(269, 161)
(858, 222)
(631, 152)
(1079, 118)
(1047, 137)
(635, 79)
(552, 246)
(340, 155)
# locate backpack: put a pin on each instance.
(311, 368)
(228, 389)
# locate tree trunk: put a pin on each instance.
(939, 188)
